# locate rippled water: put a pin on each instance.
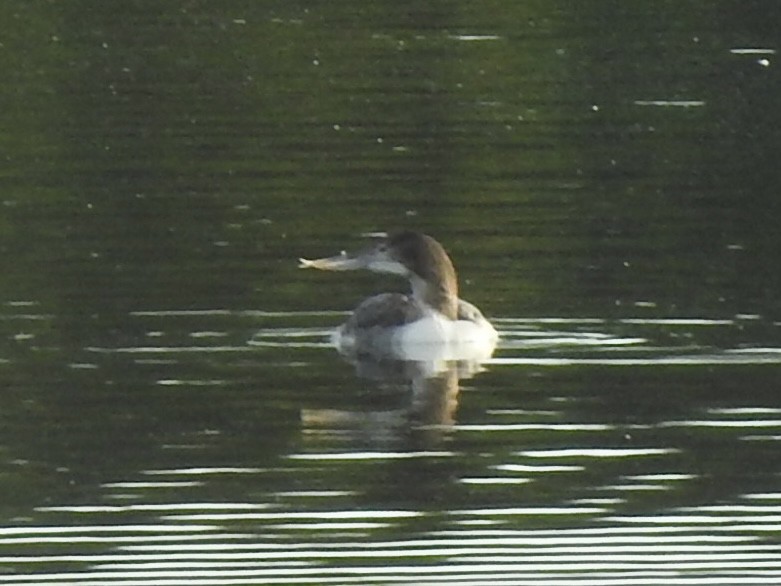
(588, 451)
(604, 176)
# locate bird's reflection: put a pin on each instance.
(423, 394)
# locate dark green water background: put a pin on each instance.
(605, 176)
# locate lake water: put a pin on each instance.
(604, 176)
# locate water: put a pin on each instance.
(604, 178)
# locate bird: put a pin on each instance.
(432, 314)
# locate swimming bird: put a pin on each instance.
(432, 314)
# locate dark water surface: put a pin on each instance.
(605, 177)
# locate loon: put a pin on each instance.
(431, 315)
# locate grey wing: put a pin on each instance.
(469, 312)
(384, 311)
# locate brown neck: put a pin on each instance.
(435, 283)
(431, 272)
(444, 301)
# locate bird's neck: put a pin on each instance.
(438, 294)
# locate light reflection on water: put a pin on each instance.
(145, 445)
(541, 491)
(682, 548)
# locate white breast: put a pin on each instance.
(436, 337)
